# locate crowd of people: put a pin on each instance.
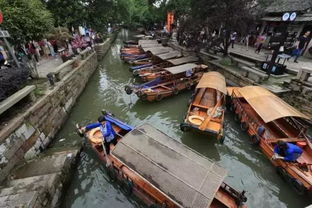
(65, 48)
(215, 40)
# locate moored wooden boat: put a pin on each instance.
(164, 64)
(207, 106)
(132, 42)
(268, 119)
(135, 164)
(171, 72)
(158, 89)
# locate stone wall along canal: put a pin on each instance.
(248, 169)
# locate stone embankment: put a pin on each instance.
(28, 134)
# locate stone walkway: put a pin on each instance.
(291, 65)
(47, 65)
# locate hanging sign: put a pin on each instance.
(170, 20)
(1, 17)
(293, 16)
(285, 16)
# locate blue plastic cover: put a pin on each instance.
(141, 66)
(150, 83)
(120, 124)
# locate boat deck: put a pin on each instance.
(281, 129)
(205, 99)
(182, 174)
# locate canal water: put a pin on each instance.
(247, 168)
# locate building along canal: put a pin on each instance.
(247, 167)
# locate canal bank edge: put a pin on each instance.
(27, 135)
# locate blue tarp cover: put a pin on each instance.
(141, 66)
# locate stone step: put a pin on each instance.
(31, 182)
(26, 200)
(57, 162)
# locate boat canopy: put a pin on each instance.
(148, 45)
(183, 60)
(213, 80)
(158, 50)
(141, 42)
(181, 68)
(170, 55)
(185, 176)
(268, 106)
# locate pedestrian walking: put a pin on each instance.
(261, 39)
(247, 41)
(51, 49)
(233, 38)
(301, 45)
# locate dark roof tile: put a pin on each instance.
(279, 6)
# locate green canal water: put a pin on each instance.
(247, 168)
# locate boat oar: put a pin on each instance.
(108, 162)
(208, 118)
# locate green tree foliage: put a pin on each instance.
(25, 20)
(67, 12)
(228, 15)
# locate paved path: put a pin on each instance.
(47, 65)
(303, 61)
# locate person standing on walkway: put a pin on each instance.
(233, 38)
(301, 45)
(247, 41)
(261, 39)
(48, 43)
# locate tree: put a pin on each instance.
(227, 15)
(67, 13)
(25, 20)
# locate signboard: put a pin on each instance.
(4, 34)
(289, 16)
(1, 17)
(293, 16)
(285, 16)
(170, 20)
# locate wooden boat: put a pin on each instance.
(166, 63)
(256, 107)
(172, 72)
(158, 59)
(145, 53)
(143, 170)
(141, 62)
(207, 106)
(131, 51)
(132, 42)
(158, 89)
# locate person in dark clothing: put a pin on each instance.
(301, 45)
(2, 59)
(286, 151)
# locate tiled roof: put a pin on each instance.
(279, 6)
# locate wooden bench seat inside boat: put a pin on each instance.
(205, 99)
(160, 159)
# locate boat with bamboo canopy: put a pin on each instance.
(178, 78)
(268, 119)
(172, 72)
(147, 164)
(207, 105)
(166, 63)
